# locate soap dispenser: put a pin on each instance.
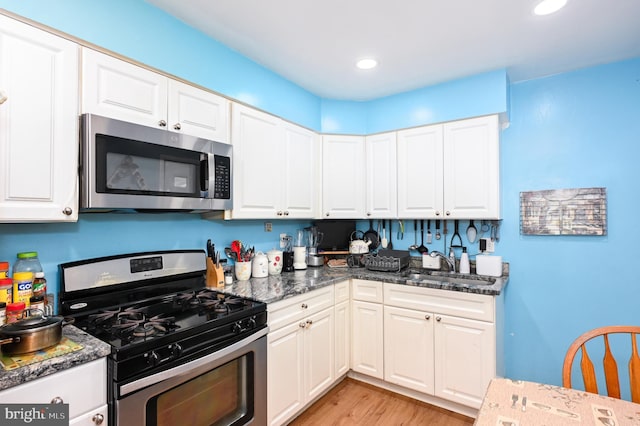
(464, 262)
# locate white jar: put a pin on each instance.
(260, 268)
(275, 261)
(243, 270)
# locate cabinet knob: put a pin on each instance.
(67, 211)
(177, 126)
(304, 306)
(448, 213)
(438, 319)
(3, 96)
(302, 325)
(279, 213)
(286, 212)
(57, 400)
(98, 419)
(327, 214)
(437, 212)
(162, 123)
(368, 213)
(427, 317)
(309, 322)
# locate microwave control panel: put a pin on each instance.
(222, 185)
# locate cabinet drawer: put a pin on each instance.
(83, 387)
(464, 305)
(342, 292)
(367, 291)
(286, 311)
(92, 418)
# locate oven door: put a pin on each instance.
(227, 387)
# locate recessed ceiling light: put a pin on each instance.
(367, 64)
(546, 7)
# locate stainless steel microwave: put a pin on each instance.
(126, 166)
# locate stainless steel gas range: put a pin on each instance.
(180, 353)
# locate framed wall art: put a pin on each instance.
(578, 211)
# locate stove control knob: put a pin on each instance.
(251, 323)
(237, 328)
(176, 350)
(153, 359)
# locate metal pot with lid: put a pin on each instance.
(31, 333)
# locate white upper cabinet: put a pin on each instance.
(381, 176)
(450, 171)
(301, 158)
(472, 169)
(118, 89)
(276, 167)
(38, 125)
(197, 112)
(343, 177)
(257, 161)
(420, 172)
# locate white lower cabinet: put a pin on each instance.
(367, 343)
(83, 387)
(342, 311)
(301, 361)
(441, 343)
(405, 328)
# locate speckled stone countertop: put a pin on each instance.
(288, 284)
(93, 349)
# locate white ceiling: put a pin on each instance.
(418, 43)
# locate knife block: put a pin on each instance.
(215, 275)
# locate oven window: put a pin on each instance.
(130, 167)
(222, 396)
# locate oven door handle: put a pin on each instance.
(184, 368)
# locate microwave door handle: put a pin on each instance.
(205, 162)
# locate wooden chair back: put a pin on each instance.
(610, 366)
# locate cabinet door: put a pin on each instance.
(257, 161)
(408, 348)
(118, 89)
(472, 169)
(420, 172)
(343, 195)
(285, 392)
(343, 338)
(319, 360)
(367, 338)
(465, 359)
(38, 125)
(381, 176)
(301, 160)
(196, 112)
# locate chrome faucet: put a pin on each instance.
(452, 264)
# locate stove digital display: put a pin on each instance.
(146, 264)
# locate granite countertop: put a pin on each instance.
(288, 284)
(92, 349)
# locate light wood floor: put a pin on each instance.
(352, 402)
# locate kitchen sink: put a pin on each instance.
(451, 278)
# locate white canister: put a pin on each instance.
(243, 270)
(275, 261)
(260, 268)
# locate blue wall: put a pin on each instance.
(577, 129)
